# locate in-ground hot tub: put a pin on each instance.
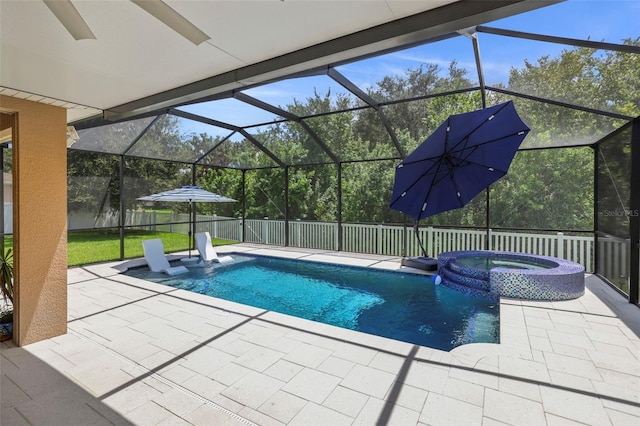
(491, 274)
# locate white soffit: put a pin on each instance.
(253, 31)
(135, 55)
(74, 111)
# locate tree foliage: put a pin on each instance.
(544, 189)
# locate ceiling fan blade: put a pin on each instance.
(164, 13)
(69, 16)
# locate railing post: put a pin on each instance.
(404, 237)
(489, 239)
(430, 250)
(298, 233)
(379, 239)
(266, 230)
(560, 245)
(339, 228)
(215, 226)
(592, 253)
(241, 225)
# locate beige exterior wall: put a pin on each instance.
(40, 220)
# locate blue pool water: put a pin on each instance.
(401, 306)
(486, 263)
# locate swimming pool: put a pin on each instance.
(401, 306)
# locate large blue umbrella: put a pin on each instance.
(466, 154)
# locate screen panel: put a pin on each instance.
(546, 189)
(614, 208)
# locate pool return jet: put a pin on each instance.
(463, 157)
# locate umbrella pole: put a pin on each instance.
(415, 228)
(190, 225)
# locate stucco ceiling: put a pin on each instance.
(137, 63)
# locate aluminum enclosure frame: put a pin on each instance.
(331, 72)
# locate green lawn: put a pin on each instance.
(84, 247)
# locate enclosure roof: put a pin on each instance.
(234, 99)
(246, 127)
(132, 62)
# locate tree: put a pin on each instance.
(544, 189)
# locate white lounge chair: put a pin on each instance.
(207, 253)
(156, 259)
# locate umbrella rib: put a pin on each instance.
(436, 174)
(462, 149)
(466, 138)
(474, 163)
(483, 166)
(457, 189)
(415, 182)
(422, 160)
(472, 149)
(492, 140)
(435, 156)
(435, 182)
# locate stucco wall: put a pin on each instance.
(40, 220)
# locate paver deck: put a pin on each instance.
(142, 353)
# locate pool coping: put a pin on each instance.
(385, 262)
(386, 270)
(509, 345)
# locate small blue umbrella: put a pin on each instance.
(466, 154)
(188, 194)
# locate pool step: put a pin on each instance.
(459, 278)
(467, 272)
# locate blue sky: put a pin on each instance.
(599, 20)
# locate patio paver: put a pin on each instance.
(142, 353)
